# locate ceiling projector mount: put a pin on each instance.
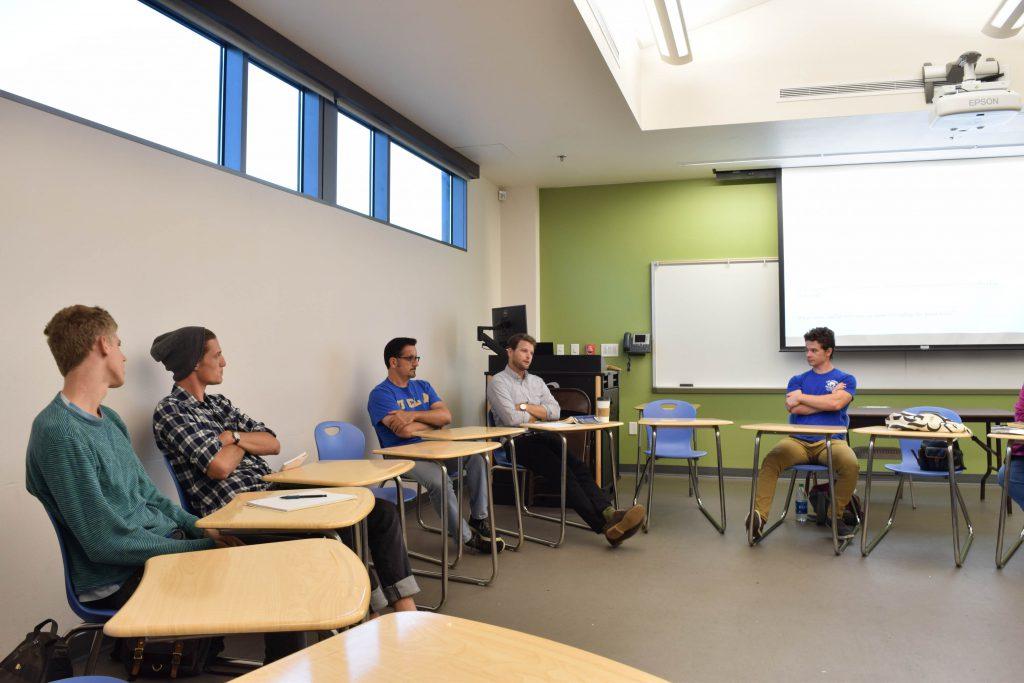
(968, 95)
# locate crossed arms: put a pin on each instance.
(799, 403)
(405, 423)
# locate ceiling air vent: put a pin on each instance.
(850, 89)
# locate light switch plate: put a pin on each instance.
(559, 349)
(609, 350)
(574, 349)
(632, 428)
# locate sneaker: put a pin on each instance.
(758, 525)
(483, 545)
(623, 524)
(843, 530)
(481, 526)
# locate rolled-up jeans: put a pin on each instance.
(1016, 467)
(428, 475)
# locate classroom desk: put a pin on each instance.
(681, 423)
(359, 472)
(312, 584)
(417, 646)
(238, 517)
(869, 417)
(1004, 505)
(791, 430)
(954, 491)
(562, 428)
(438, 453)
(488, 434)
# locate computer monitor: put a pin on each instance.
(507, 321)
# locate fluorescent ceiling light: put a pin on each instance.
(666, 18)
(1007, 20)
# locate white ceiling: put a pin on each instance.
(514, 84)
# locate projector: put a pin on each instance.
(967, 96)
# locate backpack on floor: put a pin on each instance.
(42, 656)
(821, 503)
(165, 658)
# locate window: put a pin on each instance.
(118, 63)
(355, 143)
(416, 193)
(272, 129)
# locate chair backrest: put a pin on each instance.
(909, 446)
(182, 498)
(678, 438)
(93, 616)
(572, 401)
(339, 441)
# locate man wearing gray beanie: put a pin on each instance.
(214, 450)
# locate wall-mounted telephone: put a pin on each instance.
(635, 344)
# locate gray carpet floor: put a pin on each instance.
(686, 603)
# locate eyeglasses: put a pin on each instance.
(411, 359)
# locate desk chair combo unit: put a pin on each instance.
(679, 420)
(907, 467)
(439, 453)
(1004, 505)
(788, 430)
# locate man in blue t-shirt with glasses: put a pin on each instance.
(402, 406)
(819, 396)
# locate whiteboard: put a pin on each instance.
(715, 325)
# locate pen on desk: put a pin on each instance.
(309, 495)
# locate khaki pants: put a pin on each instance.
(789, 452)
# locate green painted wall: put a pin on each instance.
(596, 246)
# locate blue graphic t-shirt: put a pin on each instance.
(385, 397)
(815, 384)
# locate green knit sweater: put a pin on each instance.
(111, 516)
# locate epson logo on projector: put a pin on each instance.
(983, 101)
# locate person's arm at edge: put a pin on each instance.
(255, 437)
(552, 411)
(438, 415)
(837, 400)
(1018, 409)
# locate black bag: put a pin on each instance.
(42, 656)
(165, 658)
(821, 503)
(933, 456)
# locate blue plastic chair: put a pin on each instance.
(676, 443)
(182, 499)
(93, 618)
(344, 441)
(907, 468)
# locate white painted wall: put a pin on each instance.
(520, 253)
(303, 297)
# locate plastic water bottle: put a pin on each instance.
(801, 505)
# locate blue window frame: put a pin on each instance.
(133, 66)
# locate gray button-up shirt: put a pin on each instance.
(507, 390)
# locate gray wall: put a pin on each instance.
(302, 296)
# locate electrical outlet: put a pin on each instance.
(559, 349)
(609, 350)
(574, 349)
(632, 428)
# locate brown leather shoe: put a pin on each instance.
(623, 524)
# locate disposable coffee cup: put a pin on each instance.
(604, 410)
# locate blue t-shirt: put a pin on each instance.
(385, 397)
(815, 384)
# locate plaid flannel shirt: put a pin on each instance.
(188, 432)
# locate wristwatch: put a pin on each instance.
(521, 406)
(236, 437)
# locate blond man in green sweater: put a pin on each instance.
(81, 466)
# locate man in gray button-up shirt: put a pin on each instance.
(517, 397)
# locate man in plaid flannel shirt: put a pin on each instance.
(214, 450)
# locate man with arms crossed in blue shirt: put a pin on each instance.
(819, 396)
(400, 407)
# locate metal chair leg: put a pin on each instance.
(913, 503)
(561, 520)
(695, 484)
(651, 462)
(510, 446)
(954, 496)
(1004, 505)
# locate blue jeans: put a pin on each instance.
(474, 479)
(1016, 491)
